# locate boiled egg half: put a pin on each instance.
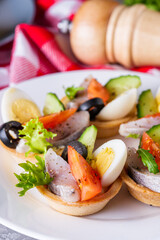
(120, 107)
(16, 105)
(109, 160)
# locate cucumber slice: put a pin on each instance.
(88, 138)
(146, 104)
(52, 104)
(117, 86)
(154, 133)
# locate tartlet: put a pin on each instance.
(140, 192)
(108, 128)
(81, 208)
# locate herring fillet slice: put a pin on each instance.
(138, 126)
(140, 174)
(63, 184)
(71, 129)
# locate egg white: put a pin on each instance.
(120, 156)
(119, 107)
(9, 96)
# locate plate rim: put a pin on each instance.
(24, 230)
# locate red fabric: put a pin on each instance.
(35, 51)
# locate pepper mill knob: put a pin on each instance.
(104, 31)
(88, 33)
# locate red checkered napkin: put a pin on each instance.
(35, 53)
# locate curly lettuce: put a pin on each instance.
(35, 135)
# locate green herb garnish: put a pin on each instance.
(148, 160)
(151, 4)
(33, 176)
(36, 135)
(72, 91)
(133, 135)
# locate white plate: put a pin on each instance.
(123, 218)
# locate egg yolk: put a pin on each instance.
(23, 110)
(104, 159)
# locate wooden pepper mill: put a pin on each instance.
(104, 31)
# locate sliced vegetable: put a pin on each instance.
(72, 91)
(88, 138)
(93, 106)
(9, 134)
(117, 86)
(35, 134)
(154, 133)
(52, 120)
(96, 90)
(52, 104)
(146, 104)
(78, 146)
(33, 176)
(88, 180)
(154, 148)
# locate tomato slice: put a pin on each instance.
(51, 120)
(154, 148)
(87, 178)
(153, 115)
(95, 89)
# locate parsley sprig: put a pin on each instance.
(133, 135)
(33, 176)
(148, 160)
(72, 91)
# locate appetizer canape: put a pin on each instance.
(18, 108)
(148, 113)
(108, 105)
(141, 173)
(76, 181)
(58, 158)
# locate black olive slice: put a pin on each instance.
(93, 105)
(78, 146)
(9, 133)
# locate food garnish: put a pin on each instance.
(117, 86)
(52, 104)
(88, 180)
(148, 160)
(72, 91)
(96, 90)
(133, 135)
(33, 176)
(52, 120)
(88, 138)
(35, 135)
(147, 104)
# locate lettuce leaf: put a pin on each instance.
(35, 134)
